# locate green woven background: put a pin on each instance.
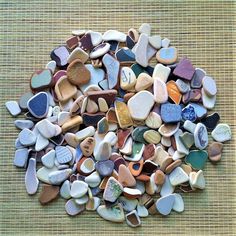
(202, 30)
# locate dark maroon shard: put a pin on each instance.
(184, 69)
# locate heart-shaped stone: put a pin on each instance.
(41, 79)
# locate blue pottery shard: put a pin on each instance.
(125, 55)
(211, 121)
(200, 110)
(129, 42)
(165, 204)
(137, 69)
(114, 45)
(188, 113)
(38, 105)
(112, 68)
(171, 113)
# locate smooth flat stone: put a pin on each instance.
(159, 177)
(132, 193)
(165, 204)
(86, 132)
(64, 89)
(93, 203)
(104, 168)
(198, 75)
(57, 177)
(82, 200)
(184, 69)
(209, 85)
(141, 50)
(145, 28)
(48, 194)
(65, 190)
(178, 176)
(183, 86)
(49, 158)
(144, 81)
(72, 208)
(91, 106)
(167, 130)
(128, 204)
(187, 139)
(63, 154)
(208, 102)
(87, 146)
(21, 124)
(127, 78)
(99, 50)
(112, 190)
(60, 55)
(21, 157)
(189, 126)
(167, 56)
(96, 38)
(138, 133)
(103, 152)
(114, 214)
(111, 138)
(162, 72)
(77, 73)
(46, 128)
(152, 136)
(43, 173)
(179, 145)
(41, 79)
(78, 189)
(125, 56)
(38, 105)
(24, 100)
(75, 121)
(165, 43)
(102, 104)
(214, 151)
(125, 177)
(142, 211)
(211, 121)
(31, 180)
(102, 126)
(27, 137)
(146, 99)
(112, 68)
(86, 42)
(114, 35)
(173, 92)
(179, 203)
(200, 136)
(221, 133)
(167, 188)
(160, 91)
(197, 180)
(196, 159)
(78, 53)
(153, 120)
(41, 143)
(155, 41)
(200, 110)
(188, 113)
(170, 113)
(123, 114)
(13, 108)
(132, 219)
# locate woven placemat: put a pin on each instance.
(202, 30)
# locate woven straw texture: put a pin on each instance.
(202, 30)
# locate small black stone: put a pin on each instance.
(211, 121)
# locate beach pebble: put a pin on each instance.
(153, 120)
(167, 56)
(179, 203)
(112, 190)
(21, 124)
(198, 76)
(21, 157)
(48, 193)
(27, 137)
(41, 79)
(145, 28)
(144, 81)
(48, 159)
(13, 108)
(104, 168)
(196, 159)
(197, 180)
(31, 180)
(170, 113)
(99, 50)
(184, 69)
(141, 56)
(78, 189)
(215, 151)
(208, 101)
(72, 208)
(63, 154)
(209, 85)
(60, 55)
(144, 97)
(125, 177)
(65, 190)
(57, 177)
(165, 204)
(114, 213)
(178, 176)
(162, 72)
(114, 35)
(221, 133)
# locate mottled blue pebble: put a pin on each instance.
(188, 113)
(170, 113)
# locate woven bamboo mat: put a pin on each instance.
(202, 30)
